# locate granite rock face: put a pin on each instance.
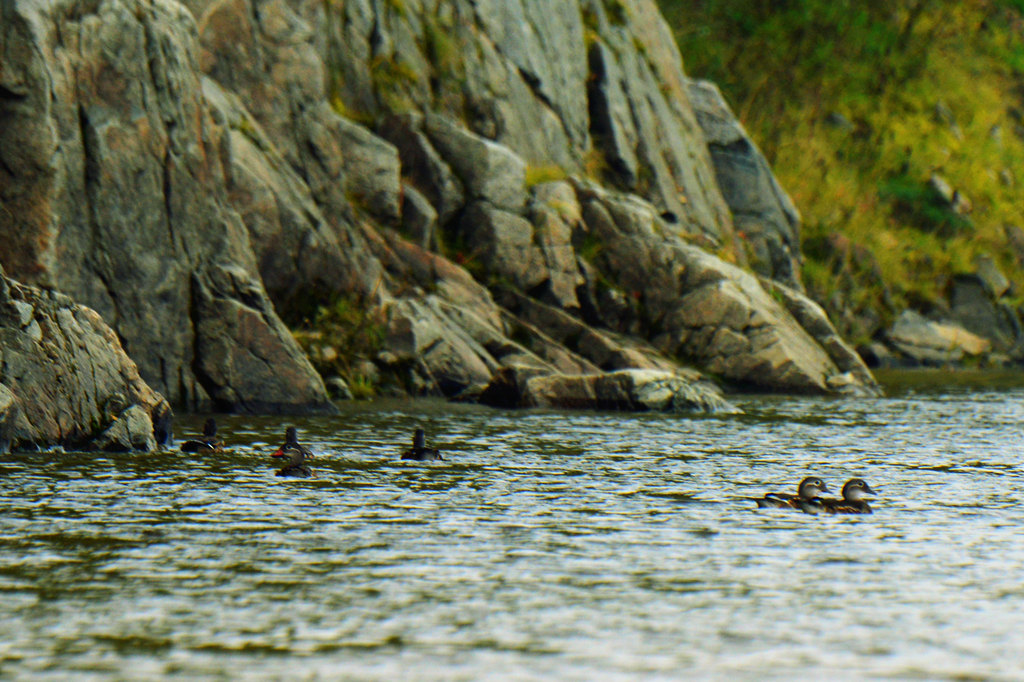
(762, 212)
(124, 195)
(696, 305)
(65, 380)
(203, 173)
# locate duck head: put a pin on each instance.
(855, 490)
(210, 427)
(295, 455)
(291, 442)
(812, 487)
(419, 440)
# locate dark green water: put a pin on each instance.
(549, 546)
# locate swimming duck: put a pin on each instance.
(419, 450)
(291, 440)
(807, 494)
(296, 465)
(853, 501)
(208, 442)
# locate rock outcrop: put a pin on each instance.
(633, 390)
(203, 173)
(975, 305)
(127, 185)
(763, 213)
(65, 380)
(975, 323)
(927, 342)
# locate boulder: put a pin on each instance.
(632, 390)
(419, 218)
(554, 212)
(991, 276)
(507, 387)
(1015, 240)
(338, 388)
(489, 171)
(423, 166)
(945, 195)
(973, 308)
(131, 431)
(247, 359)
(699, 307)
(65, 379)
(503, 243)
(449, 358)
(934, 343)
(9, 415)
(603, 349)
(855, 377)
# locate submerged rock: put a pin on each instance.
(65, 380)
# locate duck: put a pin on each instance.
(296, 466)
(208, 442)
(291, 440)
(853, 501)
(419, 450)
(807, 495)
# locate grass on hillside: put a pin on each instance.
(856, 103)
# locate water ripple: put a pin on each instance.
(547, 545)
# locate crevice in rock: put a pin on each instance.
(201, 376)
(8, 94)
(534, 83)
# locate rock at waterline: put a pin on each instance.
(934, 343)
(635, 390)
(65, 380)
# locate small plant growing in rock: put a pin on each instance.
(536, 175)
(342, 336)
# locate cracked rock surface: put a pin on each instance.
(202, 173)
(65, 380)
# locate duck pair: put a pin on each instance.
(297, 454)
(808, 498)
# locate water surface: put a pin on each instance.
(549, 546)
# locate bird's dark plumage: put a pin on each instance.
(808, 491)
(419, 450)
(853, 501)
(208, 442)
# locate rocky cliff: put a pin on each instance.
(495, 185)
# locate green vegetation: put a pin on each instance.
(393, 81)
(340, 337)
(856, 103)
(536, 175)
